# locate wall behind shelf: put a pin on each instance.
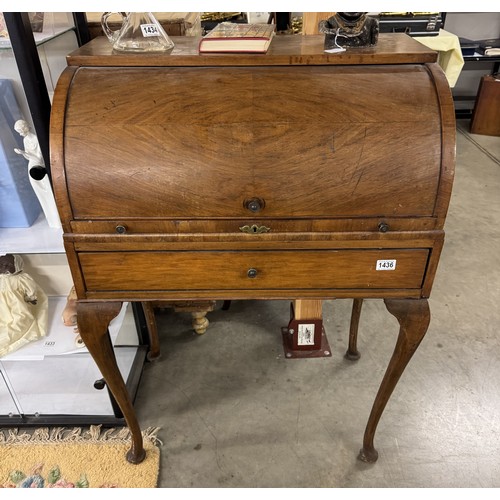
(52, 54)
(49, 268)
(50, 271)
(474, 26)
(53, 57)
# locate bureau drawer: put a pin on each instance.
(254, 270)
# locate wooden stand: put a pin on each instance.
(305, 337)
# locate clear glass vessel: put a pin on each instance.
(140, 32)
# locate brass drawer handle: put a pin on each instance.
(383, 227)
(254, 229)
(254, 204)
(121, 229)
(252, 273)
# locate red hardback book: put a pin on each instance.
(237, 37)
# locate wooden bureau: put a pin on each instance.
(291, 175)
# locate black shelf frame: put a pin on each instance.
(33, 81)
(30, 70)
(115, 420)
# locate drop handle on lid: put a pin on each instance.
(254, 204)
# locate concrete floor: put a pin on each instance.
(234, 412)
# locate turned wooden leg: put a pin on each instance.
(154, 341)
(352, 350)
(93, 321)
(198, 310)
(413, 316)
(200, 322)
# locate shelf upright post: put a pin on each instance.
(30, 70)
(81, 28)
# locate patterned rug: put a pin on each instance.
(76, 458)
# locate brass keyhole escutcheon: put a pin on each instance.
(254, 229)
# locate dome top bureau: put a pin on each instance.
(294, 174)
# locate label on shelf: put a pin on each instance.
(61, 338)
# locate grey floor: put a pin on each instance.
(234, 412)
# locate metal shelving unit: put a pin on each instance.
(40, 239)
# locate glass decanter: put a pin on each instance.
(140, 32)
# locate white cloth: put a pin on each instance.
(20, 321)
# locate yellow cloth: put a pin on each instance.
(450, 54)
(20, 321)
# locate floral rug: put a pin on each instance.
(75, 458)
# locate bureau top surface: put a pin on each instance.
(392, 48)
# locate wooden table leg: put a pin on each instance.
(154, 341)
(413, 316)
(93, 321)
(352, 350)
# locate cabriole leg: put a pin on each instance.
(352, 350)
(413, 316)
(93, 321)
(154, 341)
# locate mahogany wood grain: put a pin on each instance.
(253, 141)
(352, 350)
(252, 242)
(158, 160)
(413, 317)
(109, 271)
(431, 270)
(58, 171)
(448, 143)
(74, 265)
(93, 321)
(233, 225)
(393, 48)
(257, 294)
(152, 329)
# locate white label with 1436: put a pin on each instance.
(386, 265)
